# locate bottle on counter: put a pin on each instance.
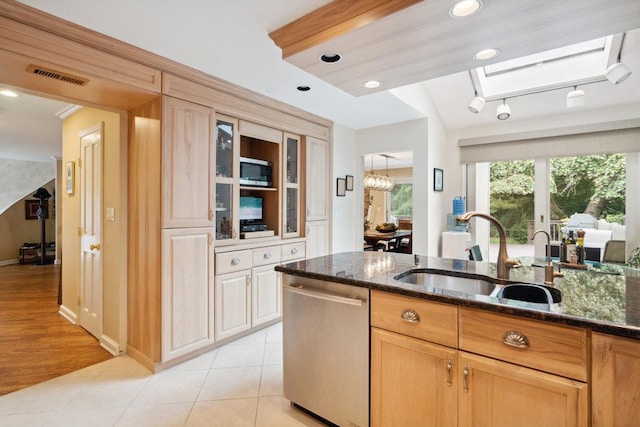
(572, 256)
(563, 249)
(580, 246)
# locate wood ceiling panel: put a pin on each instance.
(423, 42)
(331, 20)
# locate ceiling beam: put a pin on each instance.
(332, 20)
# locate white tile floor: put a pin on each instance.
(239, 384)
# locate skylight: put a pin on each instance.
(577, 64)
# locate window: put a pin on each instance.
(400, 199)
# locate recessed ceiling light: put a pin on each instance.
(330, 57)
(465, 8)
(303, 88)
(8, 93)
(486, 54)
(372, 84)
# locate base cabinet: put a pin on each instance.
(233, 303)
(187, 288)
(266, 294)
(413, 382)
(615, 372)
(422, 374)
(499, 394)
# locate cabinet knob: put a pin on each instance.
(515, 339)
(294, 250)
(410, 316)
(449, 368)
(235, 261)
(267, 255)
(95, 247)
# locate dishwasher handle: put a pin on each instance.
(322, 295)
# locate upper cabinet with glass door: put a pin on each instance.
(291, 185)
(227, 179)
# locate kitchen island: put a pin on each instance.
(484, 360)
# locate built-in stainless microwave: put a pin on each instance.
(255, 172)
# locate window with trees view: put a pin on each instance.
(593, 185)
(401, 199)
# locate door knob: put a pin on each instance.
(95, 247)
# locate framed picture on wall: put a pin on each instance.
(349, 182)
(70, 177)
(31, 208)
(341, 187)
(438, 179)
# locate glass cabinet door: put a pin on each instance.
(227, 184)
(224, 212)
(224, 149)
(291, 186)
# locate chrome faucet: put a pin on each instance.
(504, 262)
(549, 272)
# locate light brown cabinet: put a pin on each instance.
(615, 372)
(187, 158)
(475, 387)
(493, 393)
(187, 289)
(413, 382)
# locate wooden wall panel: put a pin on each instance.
(19, 38)
(241, 108)
(144, 295)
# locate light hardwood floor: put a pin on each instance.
(36, 343)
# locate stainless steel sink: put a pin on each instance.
(464, 285)
(537, 294)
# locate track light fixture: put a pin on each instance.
(503, 112)
(575, 98)
(477, 103)
(618, 72)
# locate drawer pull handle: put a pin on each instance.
(235, 261)
(294, 250)
(267, 255)
(515, 339)
(449, 368)
(410, 316)
(465, 379)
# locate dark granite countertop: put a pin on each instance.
(605, 298)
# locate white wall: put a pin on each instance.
(344, 216)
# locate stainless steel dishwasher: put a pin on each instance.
(326, 349)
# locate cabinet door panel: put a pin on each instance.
(410, 383)
(615, 390)
(317, 238)
(266, 294)
(187, 303)
(233, 303)
(186, 159)
(317, 179)
(499, 394)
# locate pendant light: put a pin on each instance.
(377, 182)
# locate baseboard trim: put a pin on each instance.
(9, 262)
(110, 345)
(68, 314)
(142, 359)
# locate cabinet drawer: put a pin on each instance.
(292, 251)
(229, 262)
(264, 256)
(547, 347)
(434, 322)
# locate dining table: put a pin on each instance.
(371, 237)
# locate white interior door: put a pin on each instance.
(91, 226)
